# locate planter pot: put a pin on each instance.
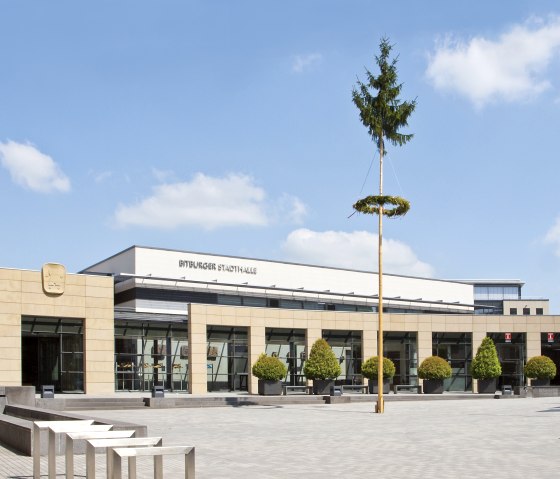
(487, 386)
(540, 382)
(322, 386)
(433, 386)
(270, 387)
(374, 389)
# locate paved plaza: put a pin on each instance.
(513, 438)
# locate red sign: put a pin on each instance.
(508, 337)
(550, 337)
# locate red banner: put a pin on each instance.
(507, 337)
(550, 337)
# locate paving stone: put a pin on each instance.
(413, 439)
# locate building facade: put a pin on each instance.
(56, 328)
(195, 323)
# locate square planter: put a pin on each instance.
(540, 382)
(374, 389)
(269, 387)
(433, 386)
(487, 386)
(322, 386)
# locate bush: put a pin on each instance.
(322, 363)
(269, 368)
(434, 367)
(540, 367)
(369, 368)
(486, 364)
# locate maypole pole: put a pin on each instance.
(380, 407)
(383, 114)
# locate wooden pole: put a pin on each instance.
(380, 407)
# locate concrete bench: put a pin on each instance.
(303, 389)
(157, 453)
(108, 444)
(39, 426)
(398, 387)
(15, 432)
(100, 432)
(362, 388)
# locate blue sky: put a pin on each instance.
(228, 127)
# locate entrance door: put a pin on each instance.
(41, 361)
(52, 353)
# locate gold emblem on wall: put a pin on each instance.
(54, 278)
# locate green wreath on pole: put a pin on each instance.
(371, 205)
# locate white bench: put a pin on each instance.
(39, 426)
(98, 433)
(157, 453)
(108, 444)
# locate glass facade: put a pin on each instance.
(401, 348)
(456, 349)
(347, 347)
(53, 353)
(489, 299)
(512, 355)
(289, 346)
(496, 292)
(227, 358)
(151, 353)
(550, 346)
(176, 299)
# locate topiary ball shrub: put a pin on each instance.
(434, 367)
(370, 368)
(540, 367)
(322, 362)
(269, 368)
(486, 364)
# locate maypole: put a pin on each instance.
(383, 114)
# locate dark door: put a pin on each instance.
(41, 361)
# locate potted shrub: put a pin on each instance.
(433, 371)
(370, 371)
(486, 366)
(270, 371)
(541, 369)
(322, 367)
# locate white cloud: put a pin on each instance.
(302, 63)
(354, 250)
(163, 175)
(290, 209)
(101, 177)
(510, 68)
(32, 169)
(553, 236)
(206, 202)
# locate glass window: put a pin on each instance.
(540, 311)
(253, 301)
(456, 348)
(150, 352)
(400, 347)
(526, 311)
(513, 311)
(289, 346)
(512, 356)
(347, 347)
(52, 351)
(230, 300)
(227, 358)
(290, 304)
